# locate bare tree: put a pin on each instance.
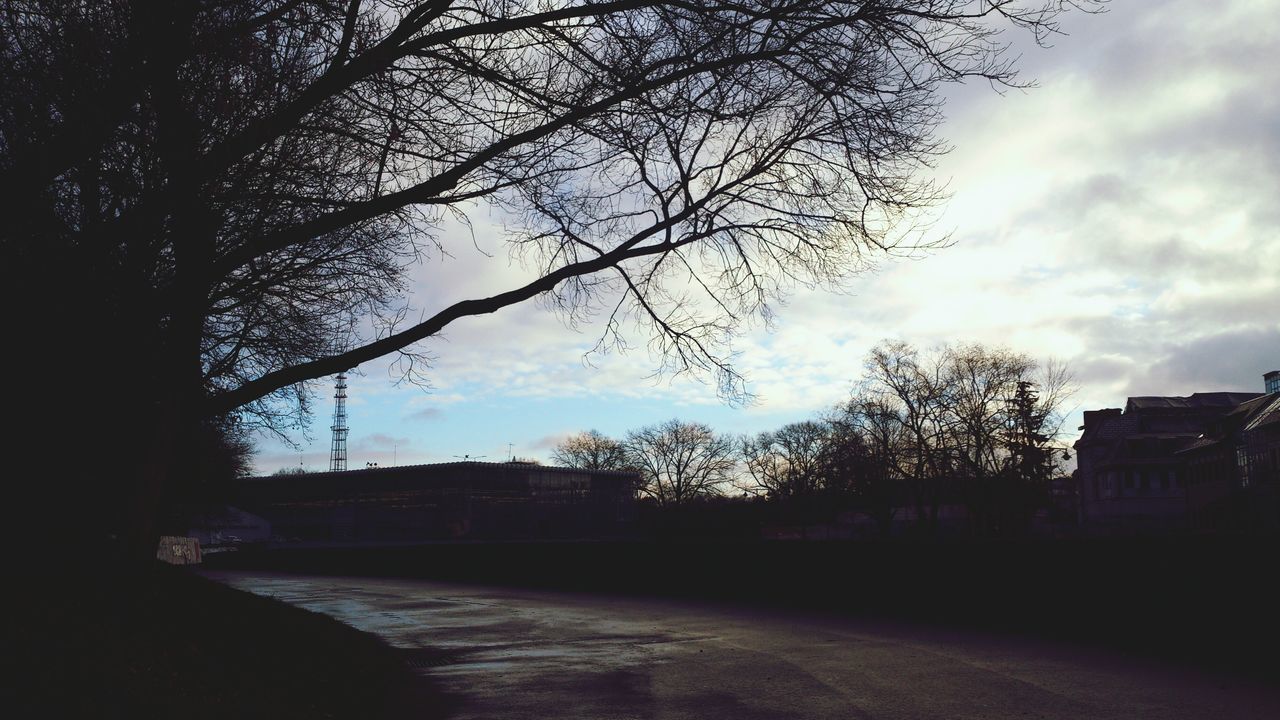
(788, 461)
(232, 187)
(590, 450)
(981, 381)
(913, 387)
(970, 425)
(680, 462)
(285, 471)
(1006, 415)
(864, 461)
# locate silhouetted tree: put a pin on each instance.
(1002, 430)
(291, 471)
(912, 386)
(590, 450)
(786, 466)
(787, 462)
(970, 427)
(981, 382)
(863, 463)
(222, 455)
(680, 462)
(224, 191)
(1033, 422)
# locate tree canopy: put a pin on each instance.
(680, 462)
(210, 198)
(590, 450)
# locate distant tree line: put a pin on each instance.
(961, 425)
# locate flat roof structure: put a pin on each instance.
(445, 501)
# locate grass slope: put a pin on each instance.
(164, 643)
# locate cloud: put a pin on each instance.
(1232, 360)
(379, 442)
(550, 442)
(426, 414)
(1104, 370)
(1121, 216)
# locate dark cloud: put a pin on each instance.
(1135, 47)
(1156, 261)
(1101, 370)
(1233, 360)
(1241, 125)
(1240, 309)
(1225, 344)
(1114, 336)
(425, 415)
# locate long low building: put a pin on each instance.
(445, 501)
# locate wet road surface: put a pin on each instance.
(515, 653)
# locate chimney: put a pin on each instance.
(1272, 380)
(1093, 417)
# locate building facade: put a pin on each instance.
(1130, 472)
(446, 501)
(1208, 461)
(1232, 472)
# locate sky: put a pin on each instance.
(1122, 216)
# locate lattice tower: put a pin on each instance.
(338, 451)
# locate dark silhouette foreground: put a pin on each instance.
(165, 643)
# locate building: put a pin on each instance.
(1272, 380)
(445, 501)
(1232, 472)
(1130, 473)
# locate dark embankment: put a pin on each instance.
(160, 642)
(1204, 601)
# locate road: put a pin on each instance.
(515, 653)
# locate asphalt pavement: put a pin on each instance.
(517, 653)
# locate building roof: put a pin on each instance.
(1170, 418)
(1262, 411)
(1267, 414)
(1191, 402)
(1110, 427)
(464, 464)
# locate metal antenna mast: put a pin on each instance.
(338, 452)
